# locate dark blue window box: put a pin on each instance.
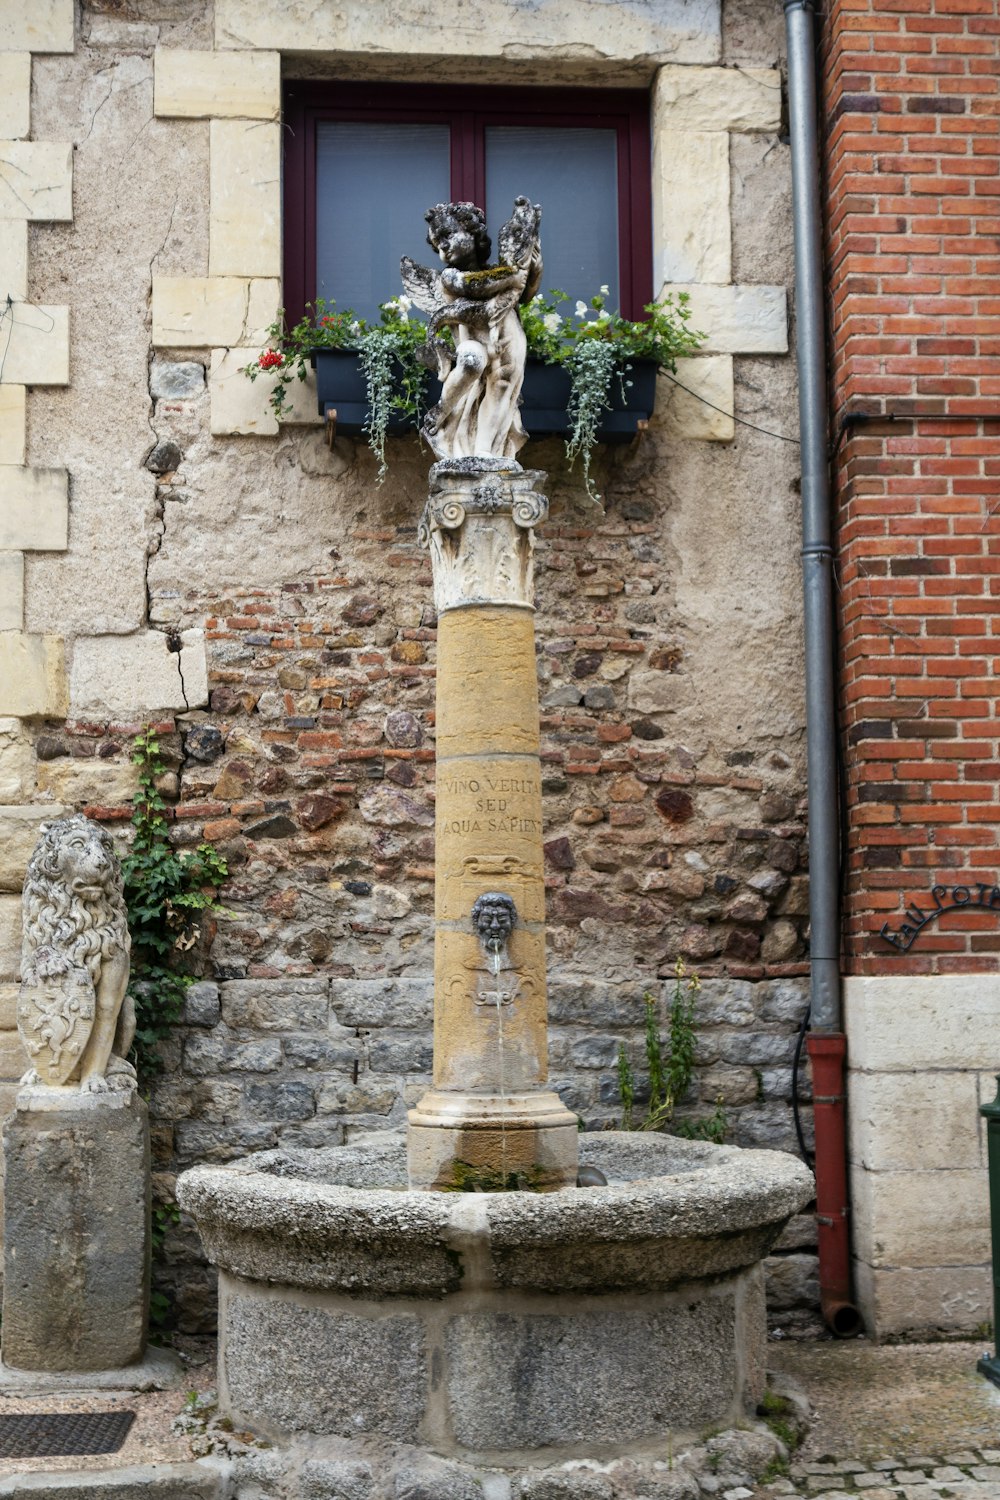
(545, 397)
(340, 385)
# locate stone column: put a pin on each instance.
(488, 1121)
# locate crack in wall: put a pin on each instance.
(11, 188)
(101, 103)
(175, 644)
(152, 548)
(162, 245)
(155, 541)
(246, 313)
(128, 150)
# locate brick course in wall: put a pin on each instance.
(913, 195)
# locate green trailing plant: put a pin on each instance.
(681, 1029)
(166, 892)
(164, 1217)
(597, 348)
(712, 1127)
(391, 353)
(670, 1068)
(592, 374)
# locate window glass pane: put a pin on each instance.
(573, 174)
(374, 183)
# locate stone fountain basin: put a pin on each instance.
(497, 1326)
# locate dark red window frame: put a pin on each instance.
(468, 112)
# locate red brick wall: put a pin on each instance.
(913, 195)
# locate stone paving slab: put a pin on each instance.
(152, 1481)
(891, 1422)
(151, 1439)
(893, 1406)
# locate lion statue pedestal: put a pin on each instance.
(76, 1148)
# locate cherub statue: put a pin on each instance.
(483, 369)
(74, 1015)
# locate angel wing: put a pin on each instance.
(518, 243)
(422, 286)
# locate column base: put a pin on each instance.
(459, 1142)
(158, 1370)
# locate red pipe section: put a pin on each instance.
(828, 1054)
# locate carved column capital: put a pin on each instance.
(479, 526)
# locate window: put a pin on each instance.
(364, 162)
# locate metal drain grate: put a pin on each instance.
(50, 1434)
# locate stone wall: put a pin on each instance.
(254, 592)
(309, 1061)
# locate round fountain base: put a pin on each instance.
(506, 1328)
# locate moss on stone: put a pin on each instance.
(490, 273)
(466, 1178)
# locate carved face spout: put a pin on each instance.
(493, 917)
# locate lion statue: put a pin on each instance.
(74, 1015)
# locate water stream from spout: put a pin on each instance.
(494, 959)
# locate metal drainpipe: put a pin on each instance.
(826, 1043)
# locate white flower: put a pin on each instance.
(392, 305)
(552, 322)
(603, 316)
(404, 304)
(355, 327)
(605, 292)
(582, 309)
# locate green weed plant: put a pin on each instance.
(670, 1068)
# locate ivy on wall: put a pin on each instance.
(166, 892)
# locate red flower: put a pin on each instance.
(327, 322)
(270, 359)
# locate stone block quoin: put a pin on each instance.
(36, 186)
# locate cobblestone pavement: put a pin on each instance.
(891, 1422)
